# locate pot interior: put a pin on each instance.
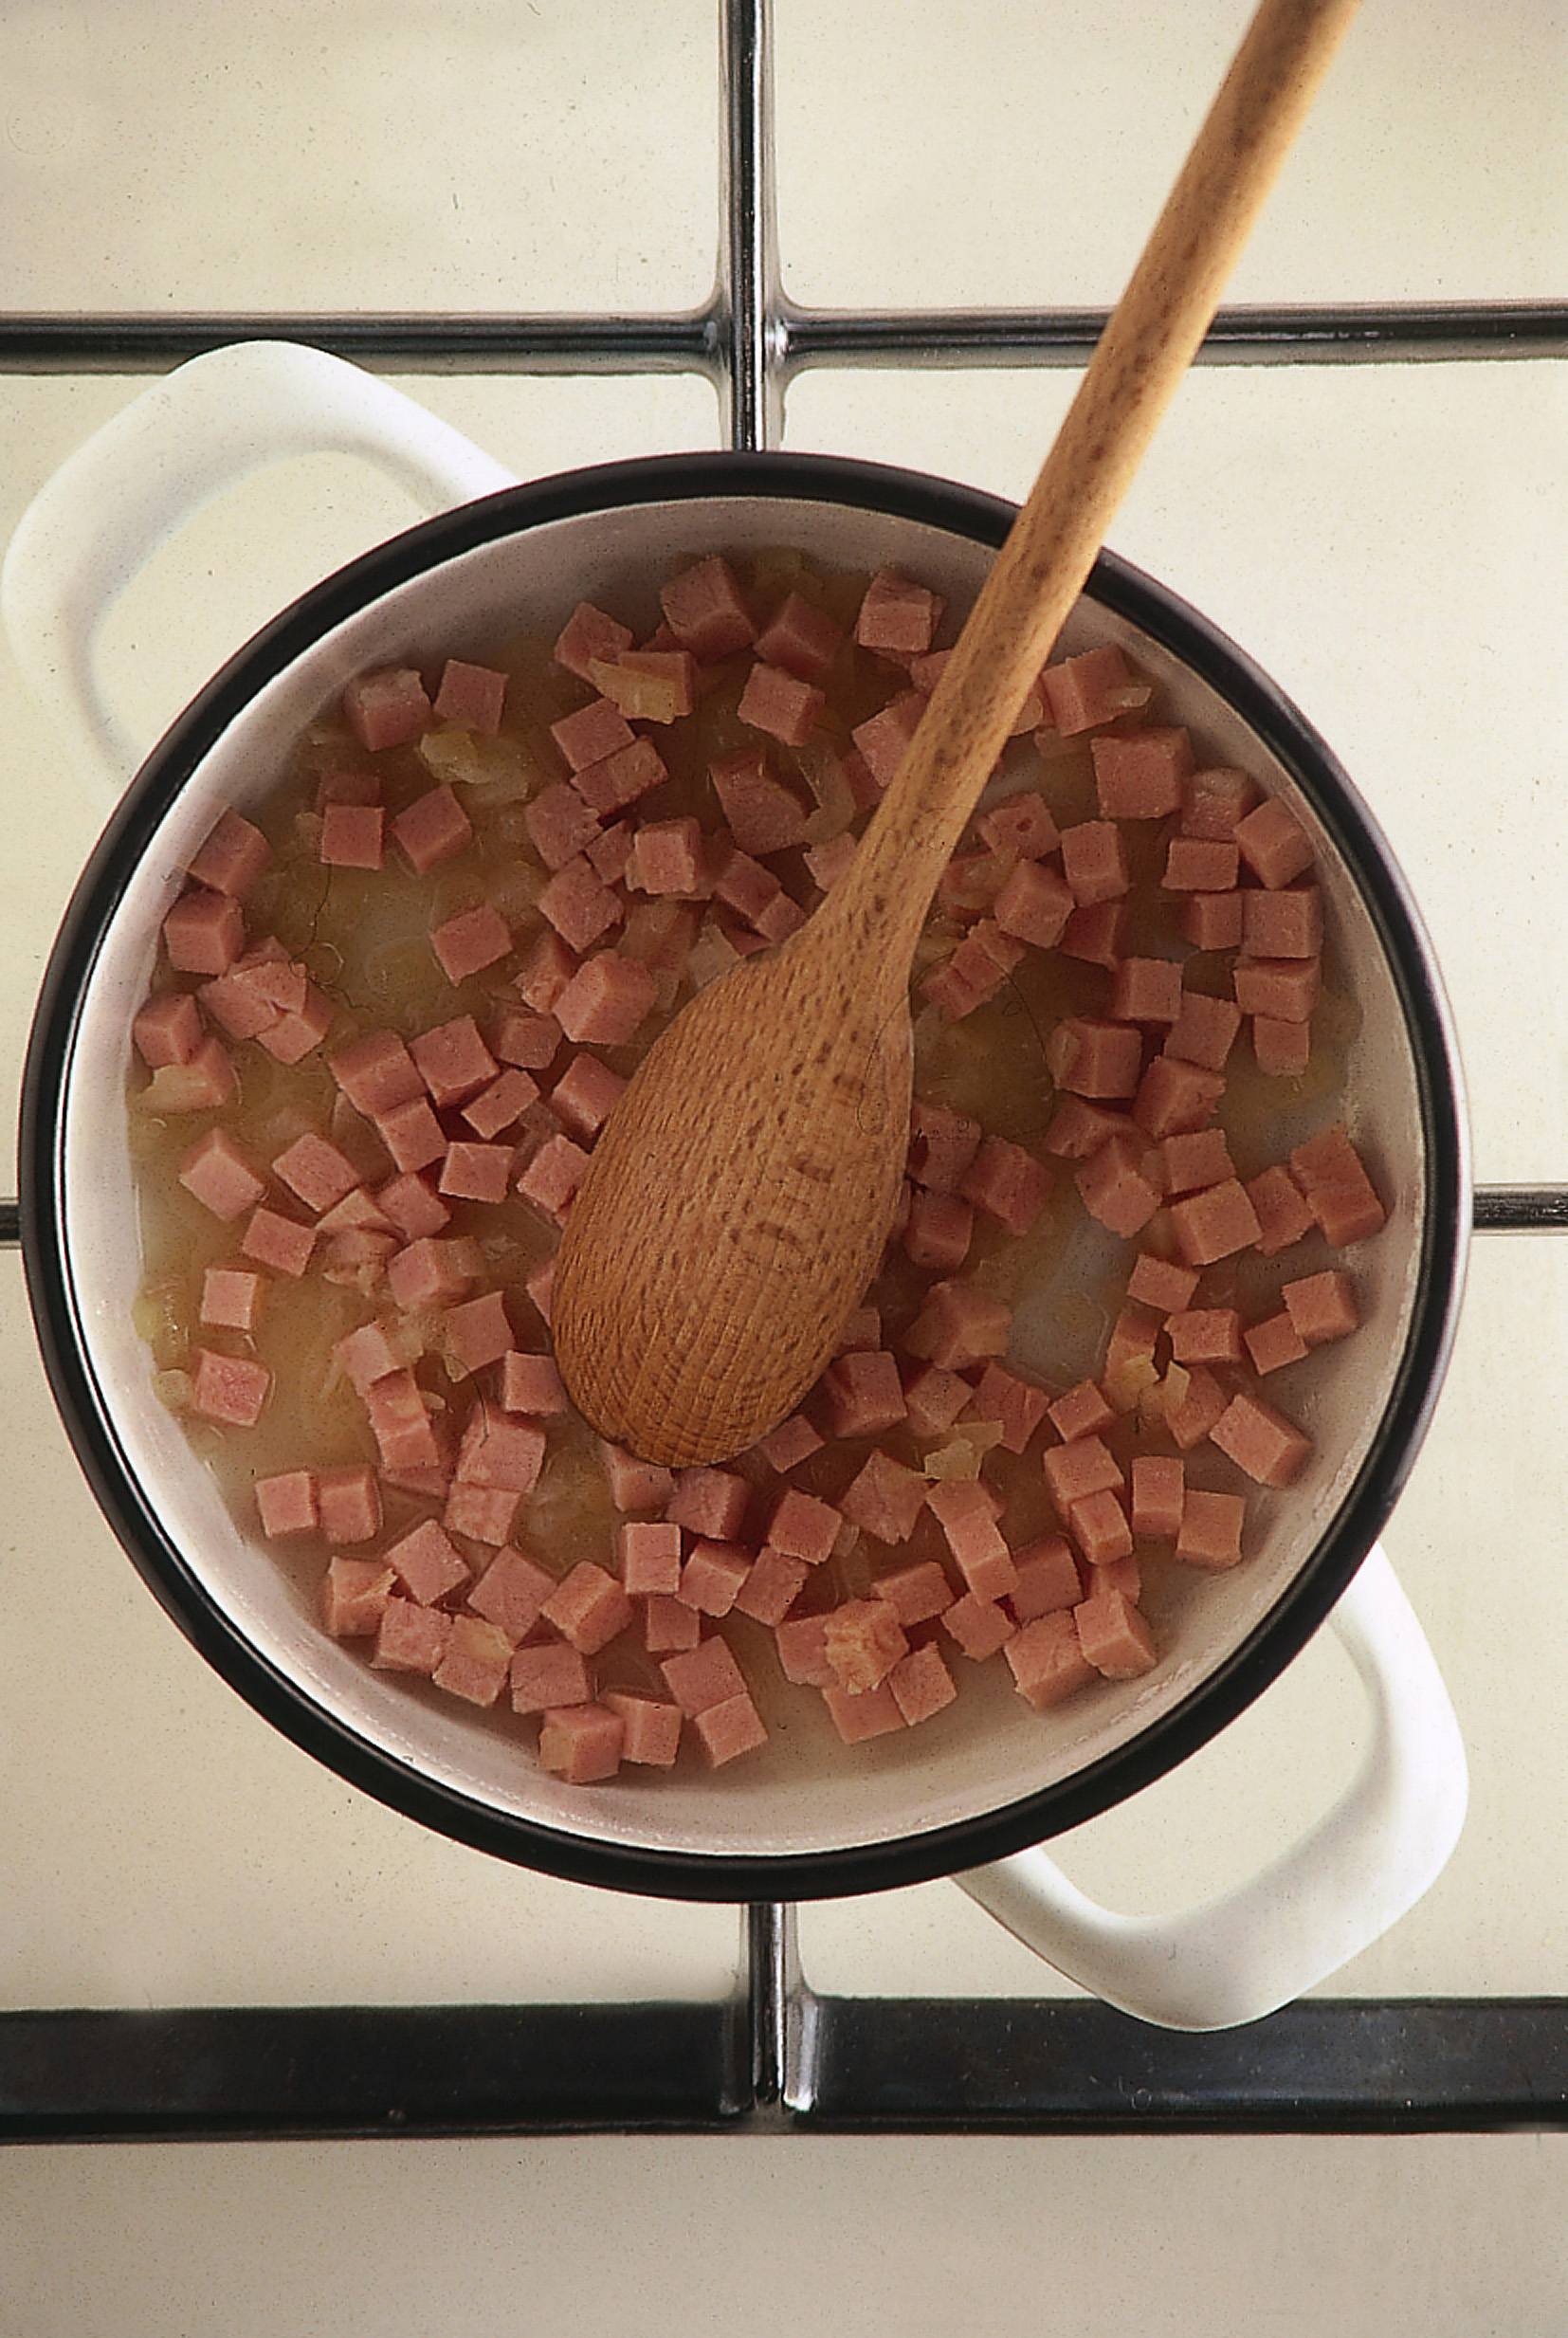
(1006, 1772)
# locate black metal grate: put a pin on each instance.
(777, 2055)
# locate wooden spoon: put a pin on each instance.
(738, 1199)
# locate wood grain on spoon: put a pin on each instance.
(737, 1201)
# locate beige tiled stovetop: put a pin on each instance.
(1390, 544)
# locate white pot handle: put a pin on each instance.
(1336, 1891)
(203, 427)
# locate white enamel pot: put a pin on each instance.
(975, 1801)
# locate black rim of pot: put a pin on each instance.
(911, 1857)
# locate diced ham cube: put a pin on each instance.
(1116, 1187)
(1283, 1050)
(1273, 844)
(1273, 1342)
(1146, 990)
(1085, 690)
(726, 1731)
(861, 1714)
(1211, 921)
(511, 1594)
(553, 1673)
(897, 615)
(666, 858)
(1261, 1441)
(772, 1587)
(1140, 775)
(1047, 1659)
(863, 1639)
(1204, 1031)
(934, 1400)
(230, 1389)
(1194, 1158)
(711, 1503)
(475, 1662)
(605, 1001)
(762, 814)
(1206, 1335)
(431, 831)
(412, 1135)
(863, 1393)
(231, 1298)
(387, 708)
(916, 1593)
(582, 908)
(886, 1499)
(1321, 1307)
(281, 1243)
(649, 1553)
(1100, 1527)
(1097, 934)
(204, 932)
(588, 634)
(960, 1324)
(553, 1177)
(427, 1563)
(965, 1509)
(1083, 1412)
(1016, 1406)
(530, 1385)
(349, 1503)
(168, 1030)
(778, 703)
(476, 1171)
(501, 1103)
(650, 1727)
(412, 1206)
(595, 731)
(804, 1527)
(1211, 1530)
(943, 1146)
(635, 1485)
(232, 856)
(1201, 865)
(1215, 1223)
(354, 1597)
(705, 609)
(223, 1179)
(453, 1060)
(286, 1504)
(498, 1450)
(622, 779)
(1094, 861)
(883, 739)
(801, 1643)
(922, 1684)
(474, 696)
(580, 1744)
(1218, 799)
(588, 1608)
(1164, 1283)
(411, 1638)
(1335, 1185)
(1090, 1057)
(477, 1332)
(1073, 1472)
(801, 638)
(473, 939)
(1192, 1411)
(1077, 1128)
(401, 1424)
(1281, 1208)
(713, 1575)
(560, 824)
(1288, 924)
(1047, 1579)
(315, 1172)
(1114, 1635)
(1159, 1491)
(352, 836)
(1280, 990)
(702, 1676)
(376, 1074)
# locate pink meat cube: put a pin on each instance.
(1218, 800)
(501, 1103)
(1215, 1223)
(1211, 921)
(411, 1638)
(427, 1563)
(863, 1639)
(1140, 774)
(168, 1030)
(724, 1731)
(883, 739)
(497, 1449)
(477, 1332)
(1273, 842)
(580, 1744)
(474, 696)
(286, 1504)
(1091, 1057)
(592, 733)
(959, 1326)
(553, 1177)
(588, 1608)
(703, 1676)
(582, 909)
(1164, 1283)
(204, 932)
(1191, 1415)
(553, 1673)
(778, 703)
(635, 1485)
(1146, 990)
(434, 829)
(943, 1146)
(316, 1171)
(230, 1389)
(1097, 934)
(1201, 865)
(1117, 1187)
(979, 1626)
(1195, 1158)
(476, 1171)
(232, 857)
(1211, 1530)
(605, 1001)
(669, 1626)
(800, 637)
(292, 1036)
(705, 609)
(619, 779)
(801, 1643)
(1047, 1660)
(560, 824)
(273, 1240)
(412, 1207)
(1101, 1528)
(429, 1273)
(916, 1593)
(1087, 690)
(474, 939)
(1283, 1050)
(713, 1575)
(354, 1597)
(1280, 990)
(376, 1074)
(475, 1662)
(1016, 1406)
(1173, 1097)
(367, 1354)
(1321, 1307)
(1021, 825)
(772, 1587)
(349, 1503)
(1085, 1467)
(711, 1503)
(859, 1716)
(863, 1393)
(922, 1684)
(966, 1511)
(1077, 1128)
(886, 1499)
(1083, 1412)
(222, 1177)
(511, 1594)
(974, 972)
(1273, 1342)
(386, 708)
(934, 1400)
(1160, 1484)
(530, 1385)
(1206, 1335)
(1047, 1579)
(1094, 861)
(650, 685)
(352, 836)
(586, 1094)
(1261, 1441)
(588, 635)
(231, 1298)
(667, 858)
(1114, 1635)
(453, 1060)
(1288, 924)
(650, 1727)
(1283, 1214)
(804, 1527)
(897, 615)
(761, 812)
(1336, 1189)
(401, 1425)
(649, 1551)
(1204, 1031)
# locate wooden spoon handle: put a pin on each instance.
(1146, 348)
